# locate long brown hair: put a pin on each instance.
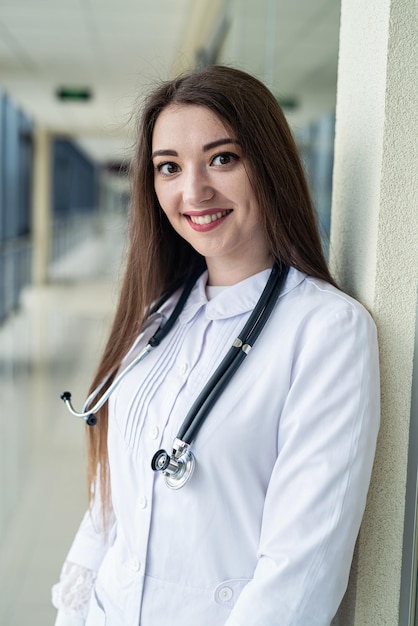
(158, 257)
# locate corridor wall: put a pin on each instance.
(74, 181)
(75, 193)
(15, 194)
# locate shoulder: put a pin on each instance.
(316, 304)
(315, 294)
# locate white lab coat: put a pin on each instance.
(263, 533)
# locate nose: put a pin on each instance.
(196, 187)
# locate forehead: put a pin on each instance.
(184, 122)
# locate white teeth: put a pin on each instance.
(207, 219)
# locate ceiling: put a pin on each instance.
(119, 48)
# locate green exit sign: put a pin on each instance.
(74, 94)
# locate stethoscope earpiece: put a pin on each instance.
(91, 420)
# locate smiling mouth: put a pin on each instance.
(208, 219)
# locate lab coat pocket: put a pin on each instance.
(227, 592)
(96, 615)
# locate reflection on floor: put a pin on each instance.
(52, 344)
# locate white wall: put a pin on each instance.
(374, 249)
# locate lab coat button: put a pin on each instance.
(142, 502)
(225, 594)
(134, 565)
(154, 432)
(182, 368)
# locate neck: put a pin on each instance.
(227, 274)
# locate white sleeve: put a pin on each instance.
(317, 491)
(91, 541)
(71, 596)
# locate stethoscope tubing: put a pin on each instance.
(234, 358)
(88, 413)
(223, 374)
(178, 467)
(163, 331)
(87, 410)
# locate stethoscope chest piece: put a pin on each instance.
(176, 468)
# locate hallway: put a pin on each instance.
(50, 345)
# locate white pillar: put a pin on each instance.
(374, 253)
(41, 205)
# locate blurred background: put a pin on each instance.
(72, 74)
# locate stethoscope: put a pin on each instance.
(177, 467)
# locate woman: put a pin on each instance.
(263, 531)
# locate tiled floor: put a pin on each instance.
(52, 344)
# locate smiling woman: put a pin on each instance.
(206, 194)
(272, 442)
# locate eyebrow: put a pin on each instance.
(206, 147)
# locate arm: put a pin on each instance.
(318, 487)
(71, 596)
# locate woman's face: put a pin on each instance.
(202, 185)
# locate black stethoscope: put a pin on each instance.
(178, 466)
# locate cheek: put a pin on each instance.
(165, 198)
(167, 209)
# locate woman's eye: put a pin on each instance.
(168, 169)
(225, 158)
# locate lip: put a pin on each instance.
(208, 215)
